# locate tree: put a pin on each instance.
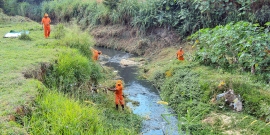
(1, 3)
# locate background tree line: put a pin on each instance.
(184, 16)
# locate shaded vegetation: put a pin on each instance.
(185, 16)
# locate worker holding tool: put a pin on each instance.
(180, 54)
(96, 53)
(118, 91)
(46, 25)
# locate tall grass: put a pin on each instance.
(58, 114)
(191, 89)
(51, 107)
(184, 16)
(75, 38)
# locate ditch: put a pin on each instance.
(159, 119)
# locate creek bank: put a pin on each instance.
(158, 118)
(201, 84)
(127, 39)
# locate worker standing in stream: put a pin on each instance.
(46, 25)
(96, 53)
(180, 54)
(118, 91)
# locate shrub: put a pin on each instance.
(59, 31)
(58, 114)
(24, 36)
(236, 45)
(75, 38)
(71, 71)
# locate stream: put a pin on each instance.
(144, 93)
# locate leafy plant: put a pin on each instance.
(235, 45)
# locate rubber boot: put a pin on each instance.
(116, 106)
(122, 107)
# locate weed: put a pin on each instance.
(59, 32)
(24, 36)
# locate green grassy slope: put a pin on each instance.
(20, 56)
(17, 57)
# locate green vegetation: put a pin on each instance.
(58, 114)
(29, 106)
(24, 37)
(240, 45)
(233, 37)
(184, 16)
(191, 89)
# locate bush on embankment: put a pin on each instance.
(74, 38)
(58, 114)
(74, 68)
(191, 91)
(241, 46)
(71, 71)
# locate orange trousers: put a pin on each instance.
(181, 58)
(47, 31)
(119, 99)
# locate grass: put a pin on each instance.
(58, 114)
(16, 57)
(67, 114)
(176, 82)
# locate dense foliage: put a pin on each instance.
(236, 45)
(191, 91)
(184, 16)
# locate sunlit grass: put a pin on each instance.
(58, 114)
(52, 112)
(162, 70)
(16, 57)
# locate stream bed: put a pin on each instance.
(158, 118)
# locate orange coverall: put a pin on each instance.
(96, 53)
(180, 54)
(119, 93)
(46, 26)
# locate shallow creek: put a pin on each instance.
(144, 93)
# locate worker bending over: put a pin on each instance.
(96, 53)
(118, 91)
(180, 54)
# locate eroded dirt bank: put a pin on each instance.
(131, 40)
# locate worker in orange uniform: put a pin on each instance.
(46, 25)
(96, 53)
(118, 91)
(180, 54)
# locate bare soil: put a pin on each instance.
(131, 40)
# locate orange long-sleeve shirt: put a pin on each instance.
(46, 21)
(180, 54)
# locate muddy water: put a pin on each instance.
(154, 114)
